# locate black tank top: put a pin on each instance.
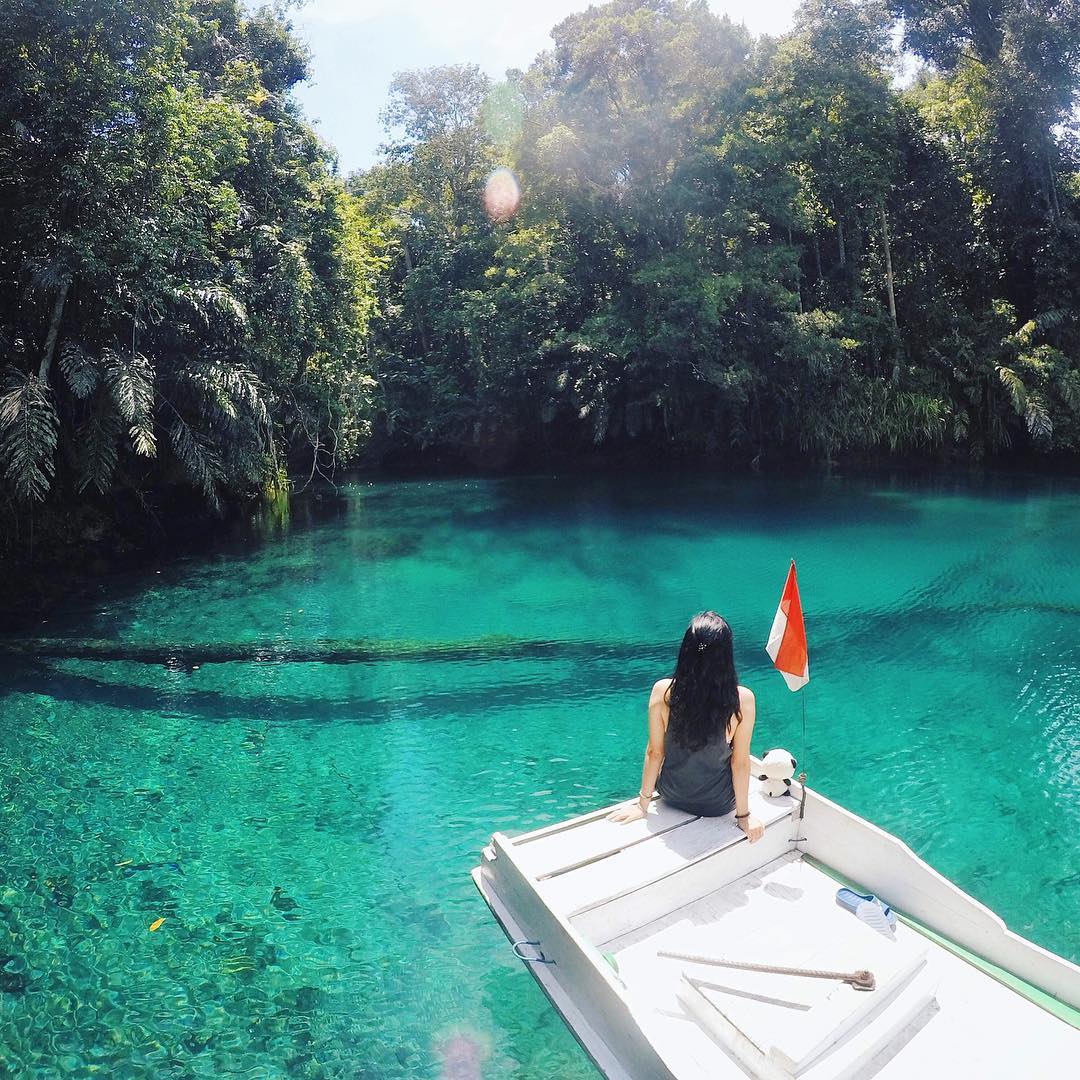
(698, 781)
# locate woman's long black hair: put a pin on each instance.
(704, 693)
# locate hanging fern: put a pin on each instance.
(198, 461)
(1015, 386)
(1050, 319)
(206, 301)
(249, 463)
(98, 439)
(961, 425)
(223, 393)
(208, 394)
(245, 388)
(130, 379)
(81, 370)
(143, 441)
(28, 431)
(1070, 389)
(131, 383)
(1038, 419)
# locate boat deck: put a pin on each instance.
(935, 1014)
(586, 864)
(619, 895)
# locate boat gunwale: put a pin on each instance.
(981, 921)
(1029, 991)
(523, 886)
(494, 903)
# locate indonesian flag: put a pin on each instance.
(787, 638)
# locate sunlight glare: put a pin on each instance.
(501, 195)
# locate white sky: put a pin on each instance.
(357, 46)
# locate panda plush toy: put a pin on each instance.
(777, 769)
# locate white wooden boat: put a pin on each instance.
(592, 906)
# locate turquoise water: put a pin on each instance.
(943, 620)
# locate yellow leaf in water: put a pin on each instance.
(155, 924)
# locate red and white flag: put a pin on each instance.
(787, 638)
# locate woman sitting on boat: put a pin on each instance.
(700, 722)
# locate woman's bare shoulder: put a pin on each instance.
(660, 689)
(746, 696)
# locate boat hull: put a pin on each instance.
(588, 903)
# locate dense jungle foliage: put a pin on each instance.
(184, 283)
(724, 245)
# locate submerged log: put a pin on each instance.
(193, 655)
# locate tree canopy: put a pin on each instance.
(741, 247)
(725, 245)
(184, 284)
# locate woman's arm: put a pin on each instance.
(654, 755)
(740, 767)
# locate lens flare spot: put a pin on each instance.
(462, 1055)
(501, 195)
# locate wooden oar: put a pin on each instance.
(860, 980)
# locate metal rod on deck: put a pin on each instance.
(861, 980)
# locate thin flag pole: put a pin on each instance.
(802, 696)
(787, 650)
(802, 699)
(797, 828)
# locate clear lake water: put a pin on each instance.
(306, 829)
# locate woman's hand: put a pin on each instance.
(752, 827)
(628, 813)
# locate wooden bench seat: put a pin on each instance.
(598, 860)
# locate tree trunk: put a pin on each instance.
(798, 272)
(888, 262)
(1055, 206)
(419, 318)
(54, 329)
(841, 250)
(817, 256)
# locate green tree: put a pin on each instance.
(1017, 64)
(182, 279)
